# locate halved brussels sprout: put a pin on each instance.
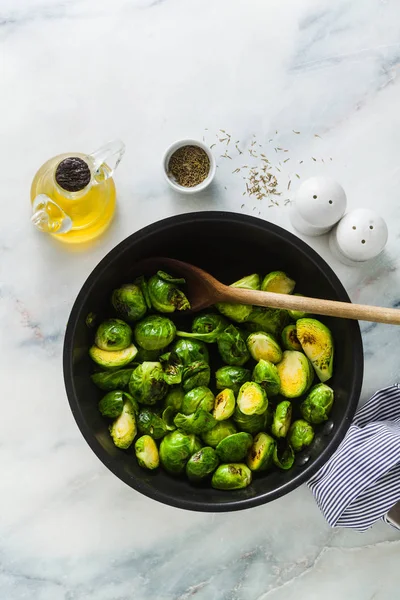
(123, 429)
(232, 347)
(113, 335)
(111, 360)
(165, 295)
(224, 405)
(129, 302)
(264, 346)
(240, 312)
(172, 368)
(196, 374)
(151, 424)
(220, 431)
(316, 407)
(283, 456)
(175, 450)
(197, 422)
(168, 415)
(111, 404)
(260, 454)
(300, 435)
(234, 447)
(282, 418)
(297, 314)
(296, 374)
(206, 328)
(201, 464)
(199, 397)
(154, 332)
(267, 376)
(147, 383)
(270, 320)
(252, 400)
(278, 282)
(289, 338)
(189, 351)
(147, 453)
(233, 476)
(250, 423)
(112, 380)
(317, 343)
(174, 399)
(232, 378)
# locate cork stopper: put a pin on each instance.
(73, 174)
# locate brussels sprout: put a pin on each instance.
(252, 400)
(172, 368)
(296, 374)
(233, 476)
(300, 435)
(111, 360)
(151, 424)
(113, 335)
(91, 320)
(147, 383)
(220, 431)
(201, 464)
(264, 346)
(267, 376)
(206, 328)
(278, 282)
(289, 338)
(270, 320)
(189, 351)
(195, 443)
(154, 332)
(297, 314)
(175, 450)
(269, 417)
(197, 422)
(240, 312)
(232, 347)
(112, 380)
(111, 404)
(250, 423)
(164, 294)
(123, 429)
(317, 343)
(282, 418)
(231, 377)
(147, 355)
(224, 405)
(198, 397)
(147, 453)
(259, 456)
(128, 302)
(174, 399)
(196, 374)
(317, 406)
(234, 447)
(168, 415)
(283, 456)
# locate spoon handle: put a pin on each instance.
(316, 306)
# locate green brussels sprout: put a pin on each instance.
(112, 360)
(129, 302)
(111, 404)
(91, 320)
(113, 335)
(147, 453)
(197, 422)
(201, 464)
(240, 312)
(196, 374)
(233, 476)
(297, 314)
(317, 343)
(168, 415)
(269, 320)
(234, 447)
(282, 418)
(264, 346)
(283, 456)
(278, 282)
(300, 435)
(260, 454)
(175, 450)
(316, 407)
(220, 431)
(198, 397)
(232, 347)
(232, 378)
(123, 429)
(195, 444)
(147, 383)
(165, 296)
(174, 399)
(112, 380)
(154, 332)
(252, 400)
(206, 328)
(267, 376)
(224, 405)
(151, 424)
(147, 355)
(296, 374)
(189, 351)
(289, 338)
(172, 368)
(250, 423)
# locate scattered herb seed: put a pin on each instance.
(296, 132)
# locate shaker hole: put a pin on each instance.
(315, 197)
(363, 241)
(330, 201)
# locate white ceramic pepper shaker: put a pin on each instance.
(360, 236)
(320, 202)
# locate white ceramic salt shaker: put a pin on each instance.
(360, 236)
(320, 202)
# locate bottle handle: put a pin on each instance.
(49, 217)
(106, 159)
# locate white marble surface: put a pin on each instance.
(77, 73)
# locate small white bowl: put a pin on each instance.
(196, 188)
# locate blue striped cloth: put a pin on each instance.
(361, 482)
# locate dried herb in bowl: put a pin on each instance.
(189, 166)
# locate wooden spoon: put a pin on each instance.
(204, 290)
